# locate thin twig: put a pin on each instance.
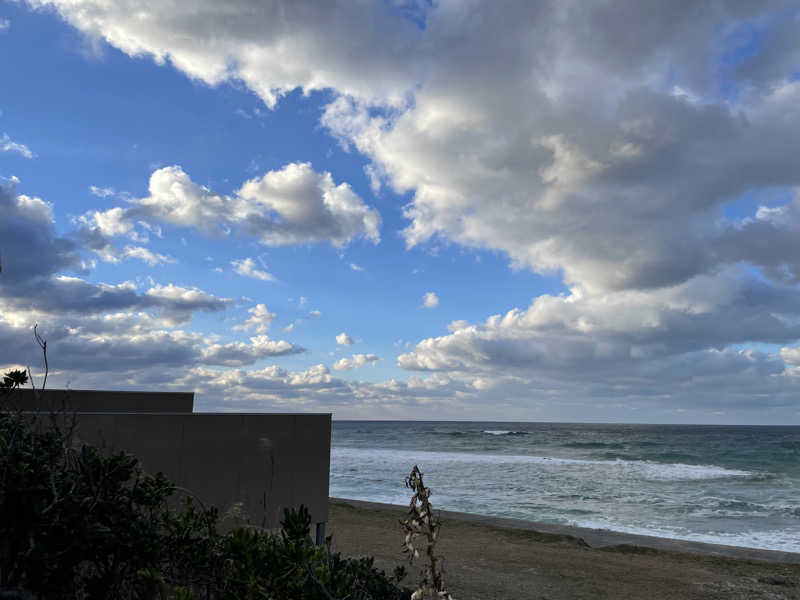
(43, 345)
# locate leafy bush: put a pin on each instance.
(74, 522)
(78, 523)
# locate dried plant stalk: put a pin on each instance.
(421, 530)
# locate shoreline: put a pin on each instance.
(494, 558)
(599, 538)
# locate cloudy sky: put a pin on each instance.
(408, 210)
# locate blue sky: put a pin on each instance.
(613, 198)
(132, 116)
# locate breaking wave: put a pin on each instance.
(632, 468)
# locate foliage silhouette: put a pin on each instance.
(79, 523)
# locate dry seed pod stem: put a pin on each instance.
(421, 520)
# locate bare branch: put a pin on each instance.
(43, 345)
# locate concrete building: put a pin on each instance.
(261, 463)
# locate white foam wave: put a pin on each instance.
(781, 540)
(503, 432)
(641, 469)
(785, 541)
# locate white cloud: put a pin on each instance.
(246, 267)
(5, 24)
(606, 159)
(269, 388)
(578, 140)
(311, 207)
(607, 197)
(293, 205)
(236, 354)
(260, 319)
(145, 255)
(102, 192)
(430, 300)
(313, 314)
(31, 248)
(791, 355)
(273, 50)
(618, 335)
(344, 340)
(8, 145)
(110, 222)
(355, 267)
(355, 362)
(132, 346)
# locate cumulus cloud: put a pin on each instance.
(129, 345)
(315, 389)
(35, 259)
(109, 223)
(98, 228)
(272, 49)
(180, 302)
(5, 24)
(344, 340)
(236, 354)
(430, 300)
(94, 329)
(355, 362)
(609, 160)
(355, 267)
(603, 187)
(311, 206)
(31, 247)
(8, 145)
(260, 319)
(293, 205)
(667, 345)
(246, 267)
(270, 387)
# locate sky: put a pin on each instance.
(538, 211)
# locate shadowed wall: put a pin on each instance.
(265, 462)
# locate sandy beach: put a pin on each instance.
(490, 558)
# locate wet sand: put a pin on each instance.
(489, 558)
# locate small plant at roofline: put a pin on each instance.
(13, 380)
(421, 531)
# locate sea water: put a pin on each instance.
(735, 485)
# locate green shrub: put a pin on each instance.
(80, 524)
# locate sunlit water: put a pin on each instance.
(728, 485)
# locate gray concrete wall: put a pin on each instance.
(103, 401)
(266, 462)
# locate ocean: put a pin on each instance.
(735, 485)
